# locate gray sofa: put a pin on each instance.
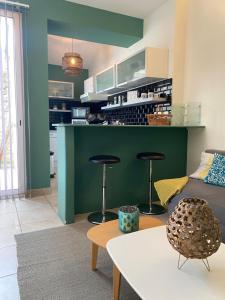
(214, 195)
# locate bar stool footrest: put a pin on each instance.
(156, 209)
(96, 218)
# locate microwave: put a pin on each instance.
(80, 112)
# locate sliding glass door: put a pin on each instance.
(12, 157)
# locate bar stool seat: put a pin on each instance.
(150, 208)
(103, 216)
(150, 156)
(104, 159)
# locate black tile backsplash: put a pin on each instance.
(136, 115)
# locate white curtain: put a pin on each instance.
(12, 158)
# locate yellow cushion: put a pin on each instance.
(167, 188)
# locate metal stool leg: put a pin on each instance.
(150, 185)
(103, 193)
(103, 216)
(151, 208)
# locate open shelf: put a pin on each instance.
(60, 110)
(62, 99)
(134, 103)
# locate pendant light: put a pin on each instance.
(72, 63)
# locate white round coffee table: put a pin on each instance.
(150, 267)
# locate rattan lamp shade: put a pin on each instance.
(72, 64)
(193, 230)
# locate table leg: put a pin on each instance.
(116, 283)
(94, 256)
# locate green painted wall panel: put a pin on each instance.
(65, 156)
(89, 24)
(92, 34)
(37, 111)
(86, 19)
(127, 182)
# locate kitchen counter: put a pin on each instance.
(131, 126)
(80, 182)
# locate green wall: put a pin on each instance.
(56, 73)
(71, 20)
(80, 182)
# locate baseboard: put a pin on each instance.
(38, 192)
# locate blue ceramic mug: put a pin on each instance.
(128, 219)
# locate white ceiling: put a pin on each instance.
(58, 45)
(135, 8)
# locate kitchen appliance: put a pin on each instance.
(79, 115)
(96, 118)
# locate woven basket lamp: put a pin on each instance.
(72, 64)
(193, 231)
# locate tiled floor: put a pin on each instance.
(18, 216)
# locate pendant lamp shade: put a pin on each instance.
(72, 64)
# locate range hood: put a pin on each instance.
(93, 97)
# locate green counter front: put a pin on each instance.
(80, 181)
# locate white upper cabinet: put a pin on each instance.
(147, 66)
(60, 89)
(89, 85)
(106, 81)
(90, 94)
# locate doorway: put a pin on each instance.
(12, 149)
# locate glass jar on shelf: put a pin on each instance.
(192, 114)
(178, 113)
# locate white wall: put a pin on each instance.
(205, 74)
(58, 46)
(159, 29)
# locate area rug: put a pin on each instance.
(54, 264)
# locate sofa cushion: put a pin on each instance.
(204, 167)
(213, 151)
(216, 174)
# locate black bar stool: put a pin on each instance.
(103, 216)
(151, 208)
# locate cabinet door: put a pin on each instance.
(60, 89)
(89, 86)
(105, 80)
(131, 69)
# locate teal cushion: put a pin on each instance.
(216, 174)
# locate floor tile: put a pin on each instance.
(9, 288)
(7, 206)
(52, 199)
(37, 215)
(80, 217)
(29, 227)
(7, 236)
(24, 204)
(8, 259)
(9, 220)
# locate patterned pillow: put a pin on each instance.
(204, 167)
(217, 172)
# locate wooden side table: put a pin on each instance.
(101, 234)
